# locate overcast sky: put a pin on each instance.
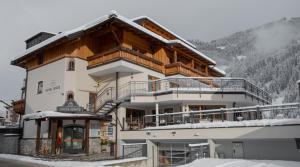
(192, 19)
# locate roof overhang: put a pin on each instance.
(79, 31)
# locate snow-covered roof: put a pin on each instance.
(102, 19)
(53, 114)
(218, 70)
(163, 27)
(176, 41)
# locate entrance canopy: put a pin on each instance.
(70, 110)
(55, 114)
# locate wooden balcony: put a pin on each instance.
(180, 68)
(19, 106)
(122, 53)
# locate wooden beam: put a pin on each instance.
(112, 29)
(206, 69)
(87, 136)
(38, 137)
(193, 64)
(175, 56)
(53, 135)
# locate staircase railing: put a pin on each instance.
(105, 95)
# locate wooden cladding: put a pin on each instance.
(122, 53)
(19, 106)
(180, 68)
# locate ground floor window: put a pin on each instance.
(135, 118)
(174, 154)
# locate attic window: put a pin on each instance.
(41, 58)
(71, 65)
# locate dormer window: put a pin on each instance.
(71, 65)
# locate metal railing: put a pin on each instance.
(194, 85)
(183, 85)
(107, 94)
(284, 111)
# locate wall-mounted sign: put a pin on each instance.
(70, 106)
(52, 87)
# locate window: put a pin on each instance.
(70, 95)
(297, 143)
(71, 65)
(110, 130)
(40, 87)
(40, 59)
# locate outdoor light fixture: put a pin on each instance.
(148, 133)
(173, 132)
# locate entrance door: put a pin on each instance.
(237, 150)
(73, 139)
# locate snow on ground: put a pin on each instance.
(241, 163)
(64, 163)
(225, 124)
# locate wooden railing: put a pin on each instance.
(122, 53)
(19, 106)
(180, 68)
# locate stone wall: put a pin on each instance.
(45, 148)
(27, 146)
(95, 146)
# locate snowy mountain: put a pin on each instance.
(268, 55)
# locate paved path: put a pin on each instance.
(15, 163)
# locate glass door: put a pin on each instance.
(73, 139)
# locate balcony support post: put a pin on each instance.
(156, 114)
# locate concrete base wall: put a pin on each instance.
(272, 149)
(9, 144)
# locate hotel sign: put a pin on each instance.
(70, 106)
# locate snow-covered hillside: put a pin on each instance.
(268, 55)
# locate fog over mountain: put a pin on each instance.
(268, 55)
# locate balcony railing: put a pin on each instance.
(269, 115)
(180, 68)
(122, 53)
(194, 85)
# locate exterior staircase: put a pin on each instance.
(106, 100)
